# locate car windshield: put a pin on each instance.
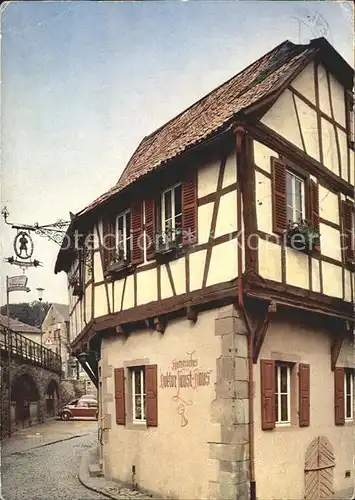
(73, 403)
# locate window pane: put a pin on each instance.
(277, 407)
(347, 383)
(284, 412)
(289, 188)
(298, 195)
(284, 379)
(289, 214)
(137, 382)
(348, 406)
(167, 199)
(138, 412)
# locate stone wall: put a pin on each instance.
(41, 378)
(230, 409)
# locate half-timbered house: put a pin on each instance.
(211, 290)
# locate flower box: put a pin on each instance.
(302, 236)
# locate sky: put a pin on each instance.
(83, 82)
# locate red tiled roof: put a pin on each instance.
(211, 113)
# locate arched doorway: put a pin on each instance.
(26, 397)
(52, 398)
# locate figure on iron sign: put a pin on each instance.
(23, 245)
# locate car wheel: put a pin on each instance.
(65, 415)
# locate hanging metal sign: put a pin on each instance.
(17, 284)
(23, 245)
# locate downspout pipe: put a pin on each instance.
(240, 149)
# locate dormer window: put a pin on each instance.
(171, 214)
(123, 236)
(295, 197)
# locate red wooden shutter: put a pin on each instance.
(108, 241)
(189, 209)
(347, 221)
(267, 377)
(339, 396)
(149, 208)
(303, 393)
(151, 383)
(278, 176)
(314, 207)
(120, 396)
(137, 254)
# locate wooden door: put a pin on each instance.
(319, 466)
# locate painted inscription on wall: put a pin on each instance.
(183, 376)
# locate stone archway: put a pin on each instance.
(318, 470)
(52, 398)
(25, 399)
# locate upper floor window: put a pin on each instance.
(171, 213)
(282, 393)
(295, 196)
(123, 235)
(349, 394)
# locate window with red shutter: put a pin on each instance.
(278, 176)
(151, 381)
(348, 231)
(189, 209)
(339, 396)
(137, 253)
(120, 396)
(267, 378)
(108, 241)
(304, 394)
(149, 213)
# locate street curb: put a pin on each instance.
(48, 444)
(84, 466)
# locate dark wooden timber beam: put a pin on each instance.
(342, 332)
(191, 313)
(160, 324)
(261, 328)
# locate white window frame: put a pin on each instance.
(126, 237)
(293, 195)
(141, 370)
(278, 394)
(351, 374)
(173, 213)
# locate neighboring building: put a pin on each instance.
(29, 331)
(56, 335)
(225, 351)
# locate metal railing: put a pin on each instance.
(28, 350)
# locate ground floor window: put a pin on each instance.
(138, 394)
(349, 394)
(282, 393)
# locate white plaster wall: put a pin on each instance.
(270, 260)
(227, 214)
(281, 117)
(100, 301)
(338, 100)
(330, 154)
(207, 178)
(262, 155)
(169, 459)
(128, 298)
(328, 205)
(332, 280)
(197, 264)
(178, 272)
(347, 286)
(88, 302)
(263, 193)
(204, 222)
(285, 448)
(330, 241)
(296, 268)
(98, 274)
(224, 263)
(309, 127)
(230, 171)
(304, 83)
(147, 286)
(323, 90)
(117, 293)
(315, 275)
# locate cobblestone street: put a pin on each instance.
(43, 462)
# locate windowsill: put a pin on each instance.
(136, 426)
(170, 254)
(282, 425)
(349, 421)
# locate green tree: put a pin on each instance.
(32, 313)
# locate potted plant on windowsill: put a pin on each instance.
(118, 262)
(168, 241)
(302, 236)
